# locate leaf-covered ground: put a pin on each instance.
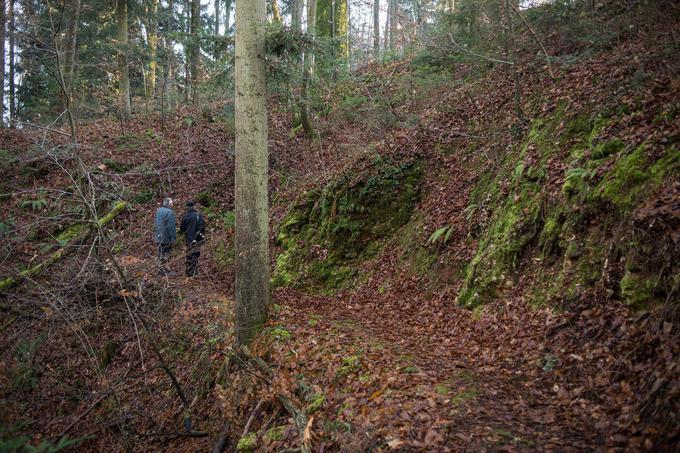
(389, 362)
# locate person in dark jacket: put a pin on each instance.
(166, 234)
(193, 227)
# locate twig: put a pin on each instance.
(251, 418)
(538, 41)
(453, 41)
(299, 416)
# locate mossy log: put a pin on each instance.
(9, 282)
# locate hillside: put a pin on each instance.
(446, 276)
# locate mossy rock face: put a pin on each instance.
(330, 231)
(568, 241)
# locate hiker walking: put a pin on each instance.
(193, 227)
(166, 234)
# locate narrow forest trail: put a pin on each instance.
(442, 375)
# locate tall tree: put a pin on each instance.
(276, 13)
(152, 30)
(392, 13)
(332, 21)
(195, 48)
(3, 17)
(252, 217)
(12, 30)
(71, 46)
(216, 19)
(296, 15)
(123, 69)
(376, 29)
(308, 71)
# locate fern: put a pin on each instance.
(442, 233)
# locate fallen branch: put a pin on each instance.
(453, 41)
(10, 282)
(299, 416)
(222, 441)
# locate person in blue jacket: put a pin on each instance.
(166, 234)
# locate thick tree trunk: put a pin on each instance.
(376, 29)
(305, 116)
(12, 29)
(153, 49)
(3, 18)
(252, 217)
(169, 82)
(124, 75)
(195, 49)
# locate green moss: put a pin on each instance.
(316, 402)
(144, 197)
(633, 176)
(116, 167)
(349, 365)
(329, 232)
(637, 290)
(248, 443)
(224, 254)
(513, 226)
(274, 434)
(608, 148)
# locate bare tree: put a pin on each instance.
(195, 49)
(252, 217)
(2, 62)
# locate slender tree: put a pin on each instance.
(152, 27)
(376, 29)
(308, 71)
(195, 48)
(12, 30)
(216, 19)
(124, 75)
(276, 13)
(252, 218)
(3, 18)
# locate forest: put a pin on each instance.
(339, 225)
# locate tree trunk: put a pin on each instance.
(227, 16)
(169, 82)
(296, 16)
(376, 29)
(216, 23)
(393, 24)
(252, 217)
(153, 49)
(195, 49)
(2, 62)
(305, 116)
(276, 13)
(124, 75)
(12, 29)
(70, 50)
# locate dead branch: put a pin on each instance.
(299, 416)
(538, 41)
(453, 41)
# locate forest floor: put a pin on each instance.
(391, 363)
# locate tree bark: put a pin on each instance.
(195, 49)
(393, 23)
(12, 29)
(153, 48)
(216, 23)
(252, 216)
(308, 72)
(123, 69)
(3, 18)
(296, 16)
(376, 29)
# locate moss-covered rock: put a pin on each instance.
(324, 236)
(637, 289)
